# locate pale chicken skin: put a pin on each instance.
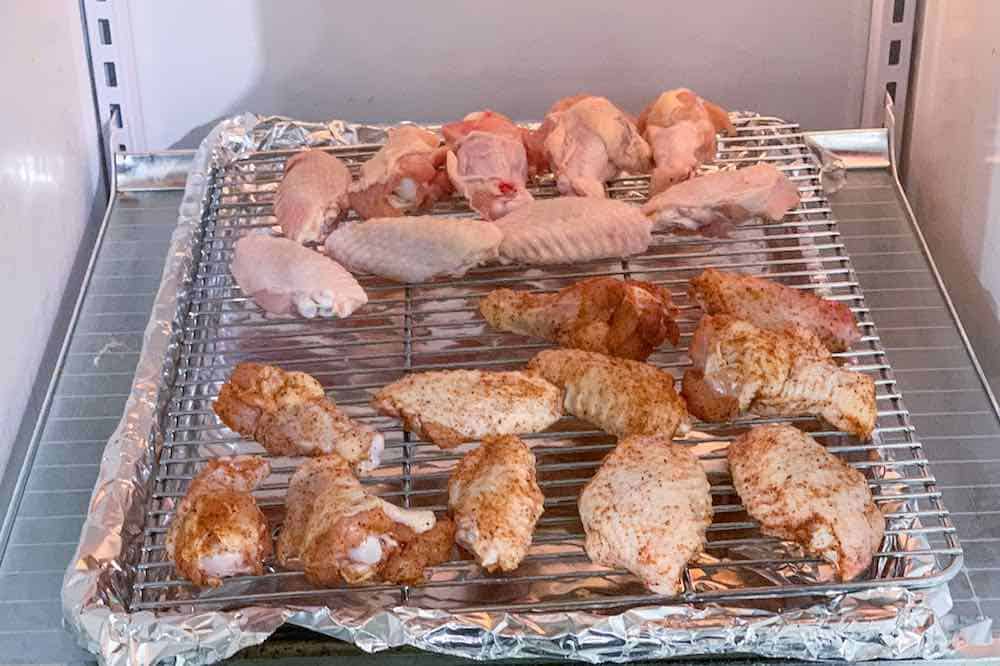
(646, 510)
(567, 230)
(495, 500)
(282, 277)
(337, 532)
(312, 196)
(415, 249)
(487, 163)
(405, 176)
(740, 368)
(774, 306)
(289, 415)
(625, 318)
(681, 129)
(450, 407)
(715, 203)
(218, 531)
(801, 492)
(620, 396)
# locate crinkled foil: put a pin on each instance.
(882, 623)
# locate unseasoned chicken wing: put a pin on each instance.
(312, 196)
(625, 318)
(801, 492)
(646, 509)
(454, 406)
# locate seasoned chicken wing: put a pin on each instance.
(495, 500)
(801, 492)
(620, 396)
(646, 509)
(715, 203)
(218, 531)
(454, 406)
(739, 368)
(625, 318)
(775, 307)
(289, 415)
(312, 196)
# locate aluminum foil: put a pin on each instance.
(882, 623)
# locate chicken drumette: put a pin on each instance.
(312, 196)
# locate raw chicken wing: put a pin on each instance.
(218, 531)
(495, 499)
(625, 318)
(414, 249)
(312, 196)
(801, 492)
(775, 307)
(283, 277)
(620, 396)
(454, 406)
(289, 415)
(714, 203)
(646, 510)
(739, 368)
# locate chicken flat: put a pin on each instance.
(289, 415)
(620, 396)
(495, 499)
(570, 229)
(715, 203)
(283, 277)
(218, 531)
(312, 196)
(739, 368)
(415, 249)
(774, 306)
(625, 318)
(454, 406)
(801, 492)
(646, 510)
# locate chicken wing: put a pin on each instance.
(739, 368)
(337, 532)
(570, 229)
(218, 531)
(454, 406)
(414, 249)
(405, 176)
(801, 492)
(495, 499)
(487, 163)
(625, 318)
(283, 277)
(775, 307)
(646, 509)
(715, 203)
(289, 415)
(312, 196)
(681, 130)
(620, 396)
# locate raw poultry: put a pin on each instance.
(681, 129)
(281, 277)
(289, 415)
(715, 203)
(740, 368)
(405, 176)
(454, 406)
(827, 507)
(774, 306)
(312, 196)
(217, 530)
(620, 396)
(495, 500)
(646, 509)
(625, 318)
